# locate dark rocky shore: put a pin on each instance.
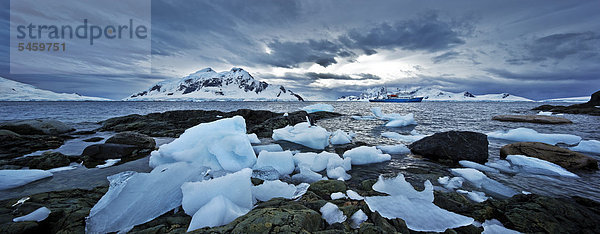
(590, 108)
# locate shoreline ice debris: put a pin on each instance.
(339, 137)
(591, 146)
(316, 162)
(451, 183)
(314, 137)
(37, 215)
(307, 175)
(276, 188)
(414, 136)
(135, 198)
(332, 214)
(394, 149)
(480, 180)
(338, 195)
(253, 138)
(366, 155)
(395, 119)
(538, 166)
(217, 201)
(358, 218)
(354, 195)
(474, 195)
(283, 161)
(16, 178)
(495, 227)
(269, 147)
(318, 107)
(414, 207)
(220, 145)
(108, 163)
(474, 165)
(526, 134)
(337, 167)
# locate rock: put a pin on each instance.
(565, 158)
(542, 119)
(589, 107)
(47, 160)
(108, 151)
(324, 188)
(93, 139)
(37, 127)
(15, 145)
(453, 146)
(133, 138)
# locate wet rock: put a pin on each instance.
(96, 154)
(542, 119)
(133, 138)
(453, 146)
(565, 158)
(47, 160)
(589, 107)
(324, 188)
(37, 127)
(15, 145)
(93, 139)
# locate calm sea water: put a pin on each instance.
(432, 117)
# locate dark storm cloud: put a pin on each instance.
(445, 57)
(582, 75)
(290, 54)
(581, 45)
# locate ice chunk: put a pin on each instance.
(337, 167)
(109, 162)
(269, 147)
(401, 121)
(477, 166)
(65, 168)
(307, 175)
(302, 133)
(15, 178)
(339, 137)
(338, 195)
(135, 198)
(38, 215)
(332, 214)
(591, 146)
(354, 195)
(236, 187)
(266, 173)
(415, 208)
(454, 183)
(366, 155)
(271, 189)
(394, 149)
(403, 138)
(526, 134)
(338, 173)
(318, 107)
(283, 162)
(217, 212)
(480, 180)
(495, 227)
(316, 162)
(538, 166)
(222, 144)
(474, 195)
(358, 218)
(547, 113)
(501, 165)
(253, 138)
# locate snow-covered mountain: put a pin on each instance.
(569, 99)
(433, 94)
(11, 90)
(208, 85)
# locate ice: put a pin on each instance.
(218, 211)
(451, 183)
(547, 113)
(366, 155)
(403, 138)
(338, 195)
(109, 162)
(394, 149)
(37, 215)
(316, 162)
(358, 218)
(495, 227)
(501, 165)
(269, 147)
(222, 144)
(526, 134)
(318, 107)
(357, 117)
(591, 146)
(253, 138)
(283, 161)
(266, 173)
(338, 173)
(135, 198)
(538, 166)
(65, 168)
(414, 207)
(339, 137)
(271, 189)
(302, 133)
(477, 166)
(401, 121)
(332, 214)
(15, 178)
(354, 195)
(337, 167)
(307, 175)
(480, 180)
(474, 195)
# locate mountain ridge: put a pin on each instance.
(11, 90)
(433, 94)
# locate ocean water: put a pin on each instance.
(432, 117)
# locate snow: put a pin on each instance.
(253, 138)
(414, 207)
(11, 90)
(109, 162)
(332, 214)
(218, 211)
(395, 119)
(220, 145)
(433, 94)
(358, 218)
(283, 161)
(339, 137)
(354, 195)
(134, 198)
(538, 166)
(394, 149)
(451, 183)
(271, 189)
(480, 180)
(526, 134)
(318, 107)
(474, 195)
(495, 227)
(474, 165)
(269, 147)
(38, 215)
(15, 178)
(403, 138)
(591, 146)
(314, 137)
(316, 162)
(366, 155)
(338, 195)
(546, 113)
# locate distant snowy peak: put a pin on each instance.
(11, 90)
(209, 85)
(569, 99)
(433, 94)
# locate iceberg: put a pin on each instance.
(283, 162)
(538, 166)
(15, 178)
(220, 145)
(414, 207)
(38, 215)
(394, 149)
(358, 218)
(332, 214)
(339, 137)
(217, 212)
(271, 189)
(526, 134)
(366, 155)
(269, 147)
(314, 137)
(480, 180)
(403, 138)
(474, 165)
(318, 107)
(591, 146)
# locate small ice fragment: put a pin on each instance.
(332, 214)
(477, 166)
(526, 134)
(15, 178)
(354, 195)
(591, 146)
(394, 149)
(339, 137)
(501, 165)
(474, 195)
(546, 113)
(358, 218)
(285, 114)
(283, 162)
(402, 138)
(37, 215)
(109, 162)
(253, 138)
(538, 166)
(265, 173)
(303, 133)
(20, 201)
(271, 189)
(338, 195)
(318, 107)
(480, 180)
(401, 121)
(495, 227)
(316, 162)
(366, 155)
(65, 168)
(307, 175)
(451, 183)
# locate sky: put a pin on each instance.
(535, 49)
